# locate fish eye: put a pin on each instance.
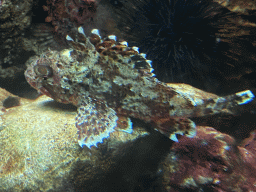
(43, 70)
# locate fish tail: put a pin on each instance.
(230, 102)
(227, 104)
(240, 98)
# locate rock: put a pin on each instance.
(39, 152)
(4, 95)
(15, 18)
(38, 147)
(210, 162)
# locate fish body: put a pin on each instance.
(108, 80)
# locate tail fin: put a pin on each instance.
(230, 102)
(240, 98)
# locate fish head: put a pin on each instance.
(47, 73)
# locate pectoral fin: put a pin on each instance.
(95, 121)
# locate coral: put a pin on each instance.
(210, 162)
(41, 38)
(66, 15)
(19, 40)
(250, 143)
(15, 18)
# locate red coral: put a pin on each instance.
(250, 143)
(211, 161)
(68, 14)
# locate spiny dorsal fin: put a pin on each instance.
(110, 47)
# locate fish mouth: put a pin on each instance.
(36, 82)
(31, 78)
(54, 93)
(46, 92)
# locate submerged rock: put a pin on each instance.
(39, 152)
(38, 146)
(210, 162)
(15, 18)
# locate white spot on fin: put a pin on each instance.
(129, 127)
(149, 62)
(143, 55)
(66, 53)
(135, 48)
(81, 30)
(124, 43)
(81, 143)
(227, 147)
(69, 38)
(174, 138)
(96, 32)
(246, 96)
(113, 37)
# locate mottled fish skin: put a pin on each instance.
(107, 80)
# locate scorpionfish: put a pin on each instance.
(109, 82)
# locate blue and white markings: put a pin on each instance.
(247, 96)
(96, 32)
(124, 43)
(81, 30)
(69, 38)
(135, 48)
(143, 55)
(112, 37)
